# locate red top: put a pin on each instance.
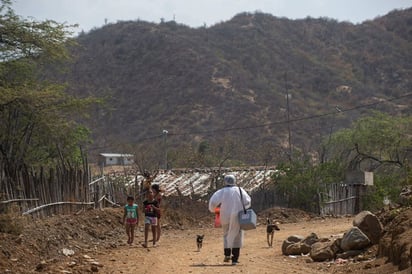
(158, 198)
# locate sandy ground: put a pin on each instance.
(177, 252)
(98, 243)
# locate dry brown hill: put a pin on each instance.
(231, 79)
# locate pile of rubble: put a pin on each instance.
(359, 241)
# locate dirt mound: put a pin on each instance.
(185, 212)
(42, 241)
(284, 215)
(28, 244)
(396, 243)
(393, 253)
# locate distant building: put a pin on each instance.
(115, 159)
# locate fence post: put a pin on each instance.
(96, 196)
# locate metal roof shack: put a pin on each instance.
(115, 159)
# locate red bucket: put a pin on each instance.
(217, 217)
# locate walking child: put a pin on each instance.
(130, 218)
(157, 195)
(150, 209)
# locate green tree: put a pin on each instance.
(300, 182)
(378, 143)
(38, 119)
(373, 141)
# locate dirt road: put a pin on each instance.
(97, 243)
(177, 252)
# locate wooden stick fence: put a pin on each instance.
(59, 191)
(17, 200)
(342, 199)
(54, 204)
(44, 192)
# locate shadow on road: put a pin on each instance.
(210, 265)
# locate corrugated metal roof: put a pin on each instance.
(116, 155)
(200, 180)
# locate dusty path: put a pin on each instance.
(177, 252)
(97, 243)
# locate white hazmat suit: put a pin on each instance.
(230, 203)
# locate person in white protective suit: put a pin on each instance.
(228, 198)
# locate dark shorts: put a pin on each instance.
(131, 221)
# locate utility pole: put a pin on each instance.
(288, 117)
(165, 132)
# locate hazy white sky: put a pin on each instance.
(195, 13)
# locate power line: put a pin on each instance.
(338, 110)
(211, 132)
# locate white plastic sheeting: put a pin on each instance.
(200, 181)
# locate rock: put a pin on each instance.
(96, 264)
(295, 238)
(354, 239)
(6, 253)
(305, 248)
(297, 249)
(336, 246)
(324, 240)
(19, 239)
(311, 239)
(71, 264)
(348, 254)
(322, 251)
(67, 252)
(370, 225)
(41, 266)
(405, 196)
(293, 249)
(94, 268)
(297, 245)
(289, 241)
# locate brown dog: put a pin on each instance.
(199, 241)
(270, 231)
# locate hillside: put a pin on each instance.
(230, 80)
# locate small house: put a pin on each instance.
(115, 159)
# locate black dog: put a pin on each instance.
(270, 230)
(199, 241)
